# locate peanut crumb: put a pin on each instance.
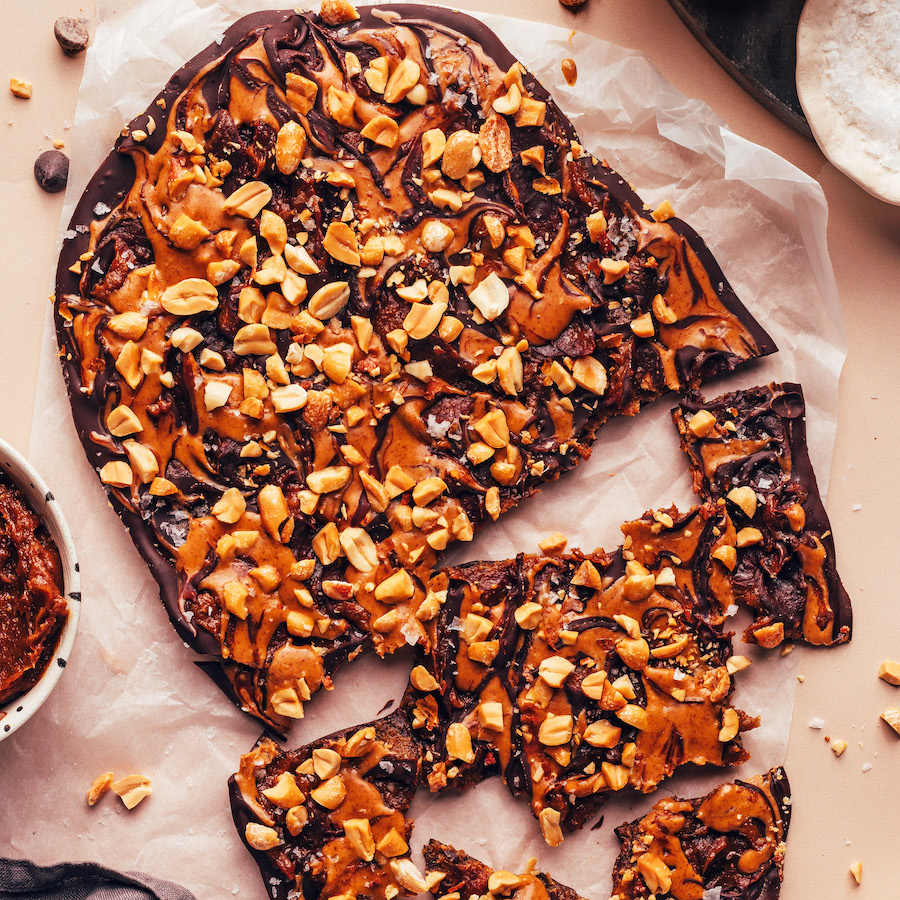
(663, 212)
(856, 871)
(554, 544)
(132, 789)
(99, 787)
(20, 88)
(892, 716)
(889, 671)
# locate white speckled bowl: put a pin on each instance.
(20, 709)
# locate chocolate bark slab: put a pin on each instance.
(571, 677)
(329, 819)
(345, 292)
(730, 843)
(463, 876)
(748, 454)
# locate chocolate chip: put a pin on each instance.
(51, 170)
(71, 34)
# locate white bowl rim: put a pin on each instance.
(20, 709)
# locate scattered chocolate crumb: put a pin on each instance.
(51, 171)
(71, 34)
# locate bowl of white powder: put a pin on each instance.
(848, 80)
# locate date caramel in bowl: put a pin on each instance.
(39, 591)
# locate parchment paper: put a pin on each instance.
(132, 700)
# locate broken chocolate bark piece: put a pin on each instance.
(330, 819)
(572, 677)
(729, 844)
(347, 290)
(450, 873)
(748, 453)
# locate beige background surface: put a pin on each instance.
(842, 813)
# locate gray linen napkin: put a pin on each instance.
(82, 881)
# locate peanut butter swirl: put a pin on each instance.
(349, 289)
(572, 677)
(732, 840)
